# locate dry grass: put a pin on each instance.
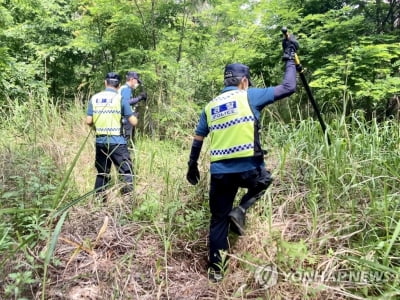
(128, 261)
(102, 253)
(125, 263)
(63, 145)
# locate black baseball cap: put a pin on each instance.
(113, 77)
(237, 70)
(134, 75)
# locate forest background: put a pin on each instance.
(333, 211)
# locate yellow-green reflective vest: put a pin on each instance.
(232, 126)
(107, 113)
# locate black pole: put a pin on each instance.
(314, 105)
(300, 70)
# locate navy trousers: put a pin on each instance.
(108, 154)
(223, 189)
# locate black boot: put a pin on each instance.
(237, 218)
(215, 276)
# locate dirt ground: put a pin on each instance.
(96, 258)
(99, 259)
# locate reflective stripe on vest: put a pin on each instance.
(232, 126)
(107, 113)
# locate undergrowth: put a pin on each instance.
(331, 214)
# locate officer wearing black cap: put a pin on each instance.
(231, 120)
(105, 112)
(132, 83)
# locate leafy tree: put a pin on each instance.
(347, 62)
(35, 35)
(364, 76)
(180, 47)
(5, 19)
(385, 15)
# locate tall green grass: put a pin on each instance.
(34, 182)
(353, 182)
(335, 205)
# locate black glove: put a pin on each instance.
(193, 174)
(142, 96)
(290, 46)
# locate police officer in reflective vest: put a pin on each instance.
(132, 83)
(231, 120)
(105, 112)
